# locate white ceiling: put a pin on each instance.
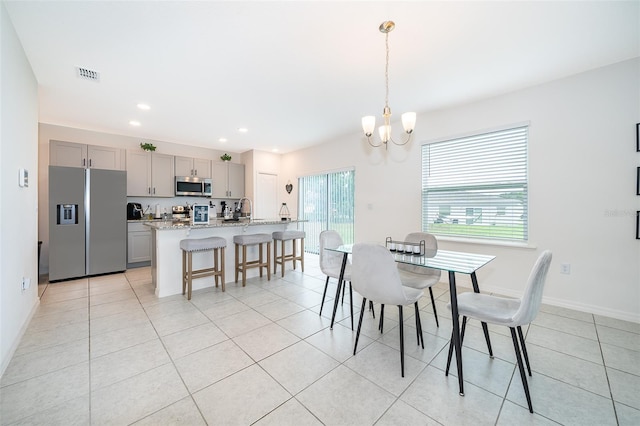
(299, 73)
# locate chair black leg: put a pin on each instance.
(355, 347)
(381, 324)
(462, 329)
(419, 326)
(485, 329)
(433, 303)
(523, 376)
(351, 303)
(343, 293)
(401, 340)
(464, 325)
(524, 349)
(324, 294)
(446, 371)
(373, 311)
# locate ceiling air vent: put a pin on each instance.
(88, 74)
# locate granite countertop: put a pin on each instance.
(217, 223)
(145, 220)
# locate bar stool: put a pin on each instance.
(242, 265)
(191, 245)
(283, 236)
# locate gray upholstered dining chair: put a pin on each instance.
(512, 313)
(375, 277)
(418, 276)
(331, 263)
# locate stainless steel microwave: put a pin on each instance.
(193, 186)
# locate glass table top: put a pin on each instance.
(455, 261)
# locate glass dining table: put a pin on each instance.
(444, 260)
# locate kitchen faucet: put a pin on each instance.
(240, 205)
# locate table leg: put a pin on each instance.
(340, 280)
(485, 329)
(456, 328)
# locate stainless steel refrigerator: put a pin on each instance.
(87, 222)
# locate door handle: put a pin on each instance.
(90, 163)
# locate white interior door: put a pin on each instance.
(266, 206)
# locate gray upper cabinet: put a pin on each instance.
(228, 180)
(187, 166)
(71, 154)
(150, 174)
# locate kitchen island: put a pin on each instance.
(166, 256)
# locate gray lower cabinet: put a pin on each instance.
(138, 244)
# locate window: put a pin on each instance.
(326, 202)
(476, 186)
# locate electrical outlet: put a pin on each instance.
(565, 268)
(26, 283)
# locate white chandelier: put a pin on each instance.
(408, 118)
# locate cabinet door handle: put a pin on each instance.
(195, 173)
(90, 163)
(154, 190)
(84, 162)
(149, 190)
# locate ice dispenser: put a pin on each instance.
(67, 214)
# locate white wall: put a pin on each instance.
(19, 210)
(582, 165)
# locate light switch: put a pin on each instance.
(23, 178)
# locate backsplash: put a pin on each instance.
(149, 203)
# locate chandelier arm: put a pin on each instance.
(375, 146)
(401, 143)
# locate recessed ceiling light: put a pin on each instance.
(274, 150)
(223, 140)
(243, 129)
(143, 107)
(134, 123)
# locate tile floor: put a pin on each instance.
(106, 351)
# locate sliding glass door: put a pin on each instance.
(326, 202)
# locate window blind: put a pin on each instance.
(326, 201)
(476, 186)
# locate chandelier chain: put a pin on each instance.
(386, 71)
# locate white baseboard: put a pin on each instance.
(16, 342)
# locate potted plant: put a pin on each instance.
(225, 157)
(147, 146)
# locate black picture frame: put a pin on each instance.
(637, 137)
(638, 225)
